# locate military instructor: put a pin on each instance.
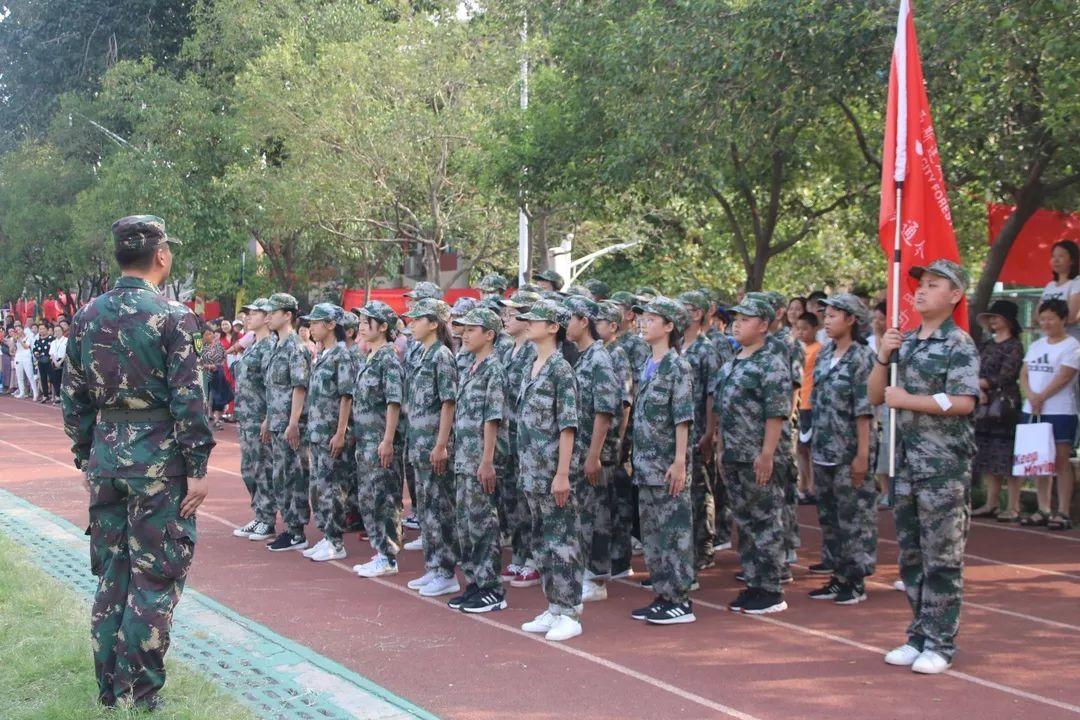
(134, 410)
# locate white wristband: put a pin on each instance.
(943, 401)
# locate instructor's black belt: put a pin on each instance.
(117, 415)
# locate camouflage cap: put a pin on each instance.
(762, 297)
(850, 304)
(379, 311)
(552, 295)
(582, 306)
(695, 299)
(952, 271)
(327, 312)
(754, 306)
(667, 308)
(600, 289)
(610, 311)
(350, 320)
(775, 299)
(531, 287)
(425, 290)
(430, 307)
(626, 299)
(480, 317)
(521, 299)
(546, 310)
(495, 304)
(580, 291)
(282, 301)
(261, 304)
(462, 306)
(140, 232)
(645, 294)
(550, 276)
(493, 283)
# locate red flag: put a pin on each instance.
(910, 158)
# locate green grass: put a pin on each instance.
(46, 669)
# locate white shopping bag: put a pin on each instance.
(1033, 450)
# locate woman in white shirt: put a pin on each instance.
(1065, 265)
(1048, 379)
(57, 354)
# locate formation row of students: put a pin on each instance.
(569, 422)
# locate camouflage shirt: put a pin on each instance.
(548, 404)
(933, 446)
(516, 369)
(663, 402)
(332, 377)
(701, 356)
(286, 366)
(380, 382)
(251, 384)
(838, 399)
(724, 351)
(621, 366)
(463, 359)
(748, 392)
(504, 347)
(132, 349)
(433, 382)
(781, 344)
(599, 391)
(637, 352)
(481, 399)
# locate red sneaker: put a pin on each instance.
(511, 572)
(526, 578)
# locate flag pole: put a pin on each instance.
(894, 367)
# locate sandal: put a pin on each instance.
(1008, 517)
(1059, 521)
(985, 511)
(1035, 519)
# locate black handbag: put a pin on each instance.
(1002, 408)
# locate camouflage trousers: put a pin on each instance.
(596, 505)
(759, 517)
(379, 493)
(435, 510)
(140, 551)
(290, 483)
(667, 536)
(721, 506)
(557, 548)
(704, 510)
(515, 510)
(477, 529)
(326, 482)
(790, 483)
(932, 521)
(352, 482)
(623, 514)
(257, 471)
(848, 519)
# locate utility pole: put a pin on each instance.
(523, 219)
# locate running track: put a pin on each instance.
(1020, 634)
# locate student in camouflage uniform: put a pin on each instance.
(663, 417)
(413, 350)
(623, 509)
(352, 518)
(493, 286)
(287, 370)
(753, 400)
(599, 406)
(139, 432)
(430, 397)
(700, 355)
(377, 397)
(521, 572)
(600, 290)
(841, 448)
(936, 392)
(329, 406)
(636, 350)
(548, 280)
(547, 421)
(480, 448)
(461, 356)
(256, 467)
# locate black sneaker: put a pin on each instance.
(821, 569)
(485, 601)
(669, 613)
(411, 522)
(646, 583)
(642, 613)
(828, 591)
(764, 602)
(851, 594)
(287, 541)
(737, 604)
(456, 602)
(786, 577)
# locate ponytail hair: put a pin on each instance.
(339, 332)
(442, 332)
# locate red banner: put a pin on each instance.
(1028, 261)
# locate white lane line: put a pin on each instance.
(1008, 528)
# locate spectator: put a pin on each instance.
(1048, 379)
(806, 328)
(305, 341)
(42, 363)
(1065, 266)
(1000, 359)
(796, 308)
(813, 304)
(24, 364)
(7, 361)
(878, 323)
(213, 358)
(57, 357)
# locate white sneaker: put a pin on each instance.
(636, 548)
(540, 624)
(792, 557)
(719, 547)
(316, 548)
(421, 581)
(930, 663)
(899, 585)
(261, 531)
(417, 544)
(380, 565)
(440, 586)
(329, 552)
(564, 628)
(903, 656)
(243, 532)
(628, 572)
(591, 592)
